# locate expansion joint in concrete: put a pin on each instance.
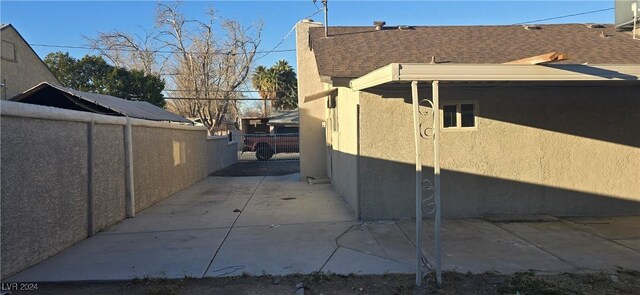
(337, 247)
(540, 248)
(231, 227)
(573, 225)
(424, 255)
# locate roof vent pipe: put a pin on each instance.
(379, 24)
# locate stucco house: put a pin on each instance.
(558, 138)
(20, 66)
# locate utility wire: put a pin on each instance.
(154, 51)
(213, 91)
(289, 33)
(279, 43)
(563, 16)
(202, 98)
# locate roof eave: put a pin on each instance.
(496, 72)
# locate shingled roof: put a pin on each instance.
(354, 51)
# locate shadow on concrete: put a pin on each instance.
(258, 168)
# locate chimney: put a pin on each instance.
(379, 24)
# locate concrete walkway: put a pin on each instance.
(227, 226)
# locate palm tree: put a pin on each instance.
(287, 86)
(278, 84)
(263, 80)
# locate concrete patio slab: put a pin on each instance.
(347, 261)
(285, 200)
(279, 250)
(209, 203)
(582, 249)
(172, 254)
(478, 246)
(633, 244)
(382, 239)
(284, 226)
(618, 227)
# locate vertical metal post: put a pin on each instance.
(326, 18)
(436, 175)
(130, 198)
(90, 179)
(357, 209)
(416, 135)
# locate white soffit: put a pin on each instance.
(496, 72)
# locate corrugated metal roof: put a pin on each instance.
(133, 109)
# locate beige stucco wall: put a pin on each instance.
(26, 71)
(342, 133)
(538, 150)
(313, 158)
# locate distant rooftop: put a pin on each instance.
(57, 96)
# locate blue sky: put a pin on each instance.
(65, 23)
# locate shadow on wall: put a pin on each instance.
(552, 106)
(387, 191)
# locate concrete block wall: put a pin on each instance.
(54, 160)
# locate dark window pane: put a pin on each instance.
(449, 119)
(467, 114)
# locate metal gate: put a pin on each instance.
(268, 147)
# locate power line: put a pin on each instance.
(287, 35)
(231, 91)
(200, 98)
(153, 51)
(275, 47)
(563, 16)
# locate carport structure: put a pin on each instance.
(397, 73)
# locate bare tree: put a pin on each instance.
(206, 69)
(129, 51)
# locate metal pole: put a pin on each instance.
(326, 18)
(436, 175)
(130, 201)
(416, 135)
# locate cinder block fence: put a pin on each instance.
(66, 175)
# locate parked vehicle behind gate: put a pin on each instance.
(283, 140)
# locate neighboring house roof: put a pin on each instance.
(62, 97)
(289, 117)
(355, 51)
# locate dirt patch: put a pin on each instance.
(620, 282)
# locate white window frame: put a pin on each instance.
(476, 112)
